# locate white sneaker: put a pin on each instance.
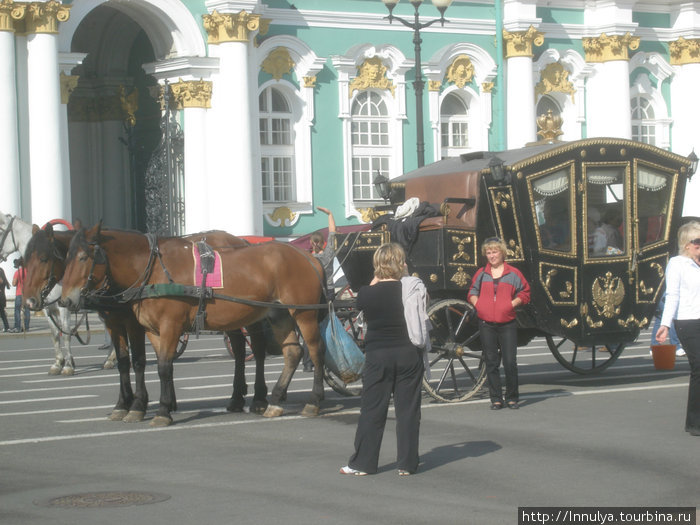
(348, 470)
(680, 352)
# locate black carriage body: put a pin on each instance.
(552, 204)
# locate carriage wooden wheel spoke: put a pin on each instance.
(457, 368)
(583, 359)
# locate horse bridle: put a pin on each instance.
(8, 231)
(98, 257)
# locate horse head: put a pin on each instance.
(86, 268)
(44, 260)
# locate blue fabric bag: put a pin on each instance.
(343, 357)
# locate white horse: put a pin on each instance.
(14, 237)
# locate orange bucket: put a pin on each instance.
(664, 356)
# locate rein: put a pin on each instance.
(74, 330)
(8, 231)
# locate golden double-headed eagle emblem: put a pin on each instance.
(608, 293)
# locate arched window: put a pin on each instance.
(371, 151)
(454, 126)
(643, 120)
(276, 147)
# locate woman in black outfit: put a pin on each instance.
(393, 365)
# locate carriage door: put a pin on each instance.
(654, 191)
(607, 276)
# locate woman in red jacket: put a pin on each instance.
(496, 291)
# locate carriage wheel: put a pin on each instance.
(583, 360)
(182, 344)
(249, 349)
(457, 372)
(340, 386)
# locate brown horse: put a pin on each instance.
(45, 261)
(126, 265)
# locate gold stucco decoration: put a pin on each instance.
(129, 104)
(608, 294)
(191, 94)
(487, 87)
(461, 71)
(310, 82)
(460, 277)
(371, 74)
(550, 126)
(608, 48)
(278, 63)
(230, 27)
(554, 77)
(283, 216)
(68, 84)
(685, 51)
(519, 43)
(43, 17)
(434, 85)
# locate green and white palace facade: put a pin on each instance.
(274, 107)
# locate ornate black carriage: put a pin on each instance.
(552, 204)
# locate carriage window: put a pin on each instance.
(552, 197)
(605, 198)
(653, 197)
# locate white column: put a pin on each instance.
(196, 190)
(231, 171)
(520, 101)
(608, 110)
(234, 202)
(46, 164)
(686, 133)
(9, 176)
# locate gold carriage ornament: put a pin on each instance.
(608, 293)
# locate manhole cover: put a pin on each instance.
(105, 499)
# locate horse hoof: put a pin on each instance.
(117, 414)
(235, 407)
(161, 421)
(258, 407)
(310, 410)
(108, 365)
(273, 411)
(67, 371)
(134, 416)
(54, 370)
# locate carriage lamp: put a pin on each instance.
(382, 186)
(693, 158)
(496, 169)
(418, 83)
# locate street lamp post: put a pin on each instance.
(418, 84)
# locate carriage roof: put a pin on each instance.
(460, 177)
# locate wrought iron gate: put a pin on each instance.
(165, 176)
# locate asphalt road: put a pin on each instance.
(612, 440)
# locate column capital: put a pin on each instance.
(191, 94)
(685, 51)
(10, 11)
(230, 27)
(609, 48)
(68, 85)
(519, 43)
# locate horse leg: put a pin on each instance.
(165, 347)
(126, 395)
(57, 366)
(292, 355)
(240, 387)
(258, 343)
(308, 326)
(69, 362)
(137, 341)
